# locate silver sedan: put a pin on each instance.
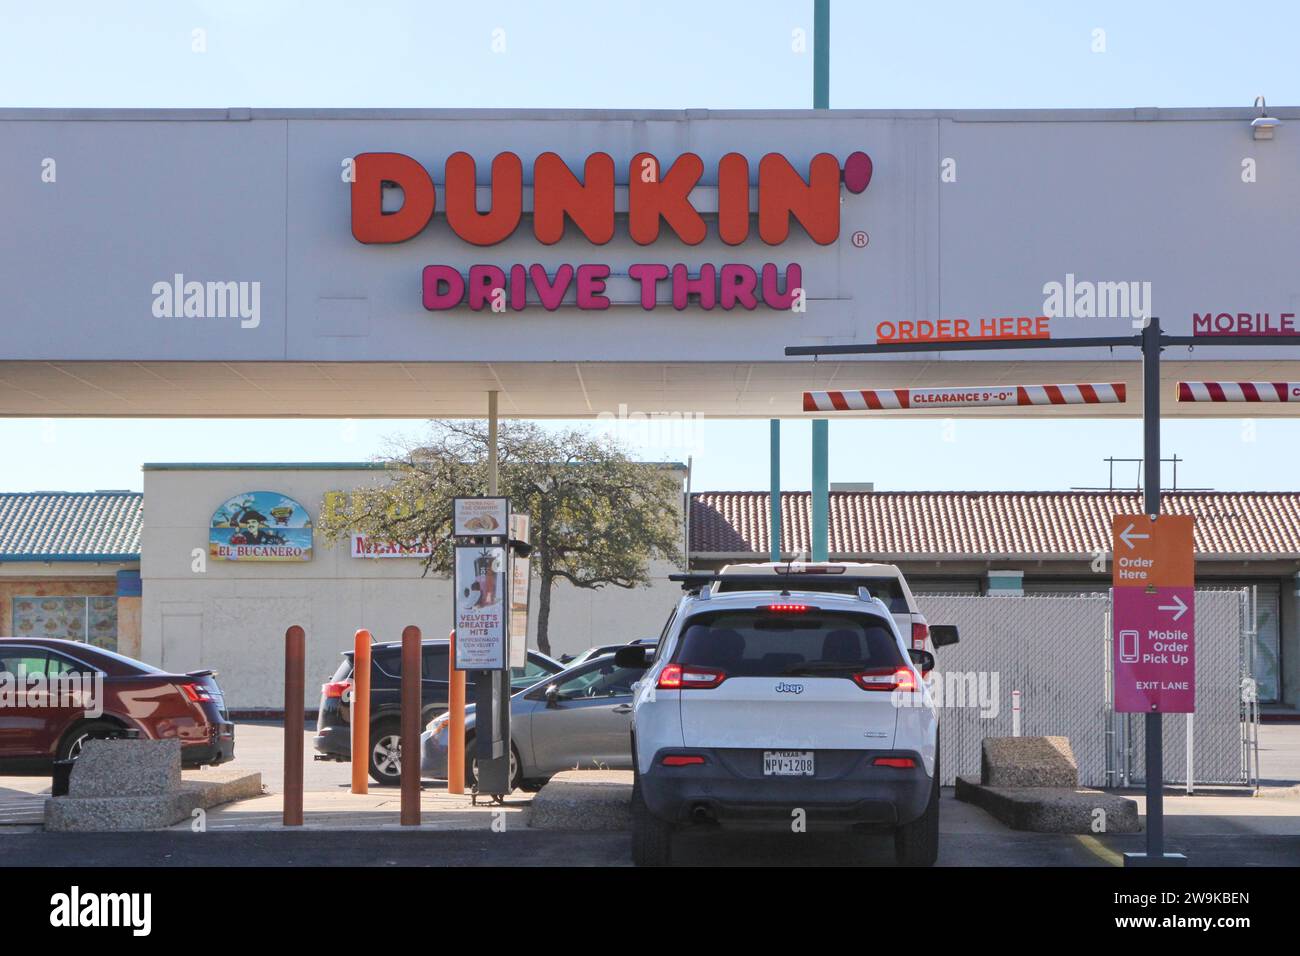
(576, 719)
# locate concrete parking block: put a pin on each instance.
(584, 800)
(1052, 809)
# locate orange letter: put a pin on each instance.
(369, 221)
(667, 195)
(733, 199)
(782, 192)
(484, 228)
(589, 204)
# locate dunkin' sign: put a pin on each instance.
(658, 200)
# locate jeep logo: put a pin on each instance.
(786, 688)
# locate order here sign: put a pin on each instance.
(1154, 614)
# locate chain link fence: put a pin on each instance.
(1055, 651)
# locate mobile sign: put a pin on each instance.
(1154, 614)
(480, 517)
(481, 602)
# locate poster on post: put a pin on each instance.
(481, 607)
(480, 517)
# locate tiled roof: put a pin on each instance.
(70, 526)
(984, 524)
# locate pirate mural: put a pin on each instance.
(260, 526)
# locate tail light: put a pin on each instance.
(196, 693)
(682, 760)
(886, 679)
(902, 763)
(920, 634)
(336, 688)
(687, 676)
(788, 608)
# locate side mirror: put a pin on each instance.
(941, 635)
(924, 660)
(552, 695)
(632, 656)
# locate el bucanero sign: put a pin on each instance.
(658, 202)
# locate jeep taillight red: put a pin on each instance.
(688, 676)
(787, 608)
(886, 678)
(920, 634)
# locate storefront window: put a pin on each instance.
(75, 618)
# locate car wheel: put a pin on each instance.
(70, 748)
(386, 753)
(652, 838)
(917, 843)
(471, 766)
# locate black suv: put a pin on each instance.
(333, 723)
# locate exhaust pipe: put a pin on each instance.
(702, 813)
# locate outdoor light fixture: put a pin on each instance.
(1262, 126)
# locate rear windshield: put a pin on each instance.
(756, 643)
(888, 590)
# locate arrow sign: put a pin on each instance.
(1178, 607)
(1128, 536)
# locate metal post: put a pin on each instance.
(491, 688)
(820, 434)
(295, 671)
(361, 711)
(1155, 742)
(412, 681)
(820, 490)
(821, 54)
(775, 499)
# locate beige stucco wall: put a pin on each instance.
(231, 616)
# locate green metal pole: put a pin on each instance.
(820, 427)
(775, 505)
(821, 54)
(820, 489)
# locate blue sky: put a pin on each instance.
(665, 54)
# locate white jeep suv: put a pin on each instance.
(766, 704)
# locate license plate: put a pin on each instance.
(787, 763)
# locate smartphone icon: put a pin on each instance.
(1128, 647)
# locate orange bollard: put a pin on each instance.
(412, 682)
(295, 667)
(456, 727)
(361, 712)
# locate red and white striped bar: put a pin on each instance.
(885, 399)
(1239, 391)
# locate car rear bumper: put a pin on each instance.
(220, 748)
(730, 787)
(334, 743)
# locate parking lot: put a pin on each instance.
(1218, 828)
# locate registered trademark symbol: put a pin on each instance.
(860, 239)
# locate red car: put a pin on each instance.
(55, 695)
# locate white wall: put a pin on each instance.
(233, 615)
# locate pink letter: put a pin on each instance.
(591, 286)
(793, 280)
(738, 284)
(483, 283)
(648, 274)
(518, 288)
(436, 300)
(706, 286)
(551, 293)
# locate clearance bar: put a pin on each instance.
(957, 397)
(1239, 391)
